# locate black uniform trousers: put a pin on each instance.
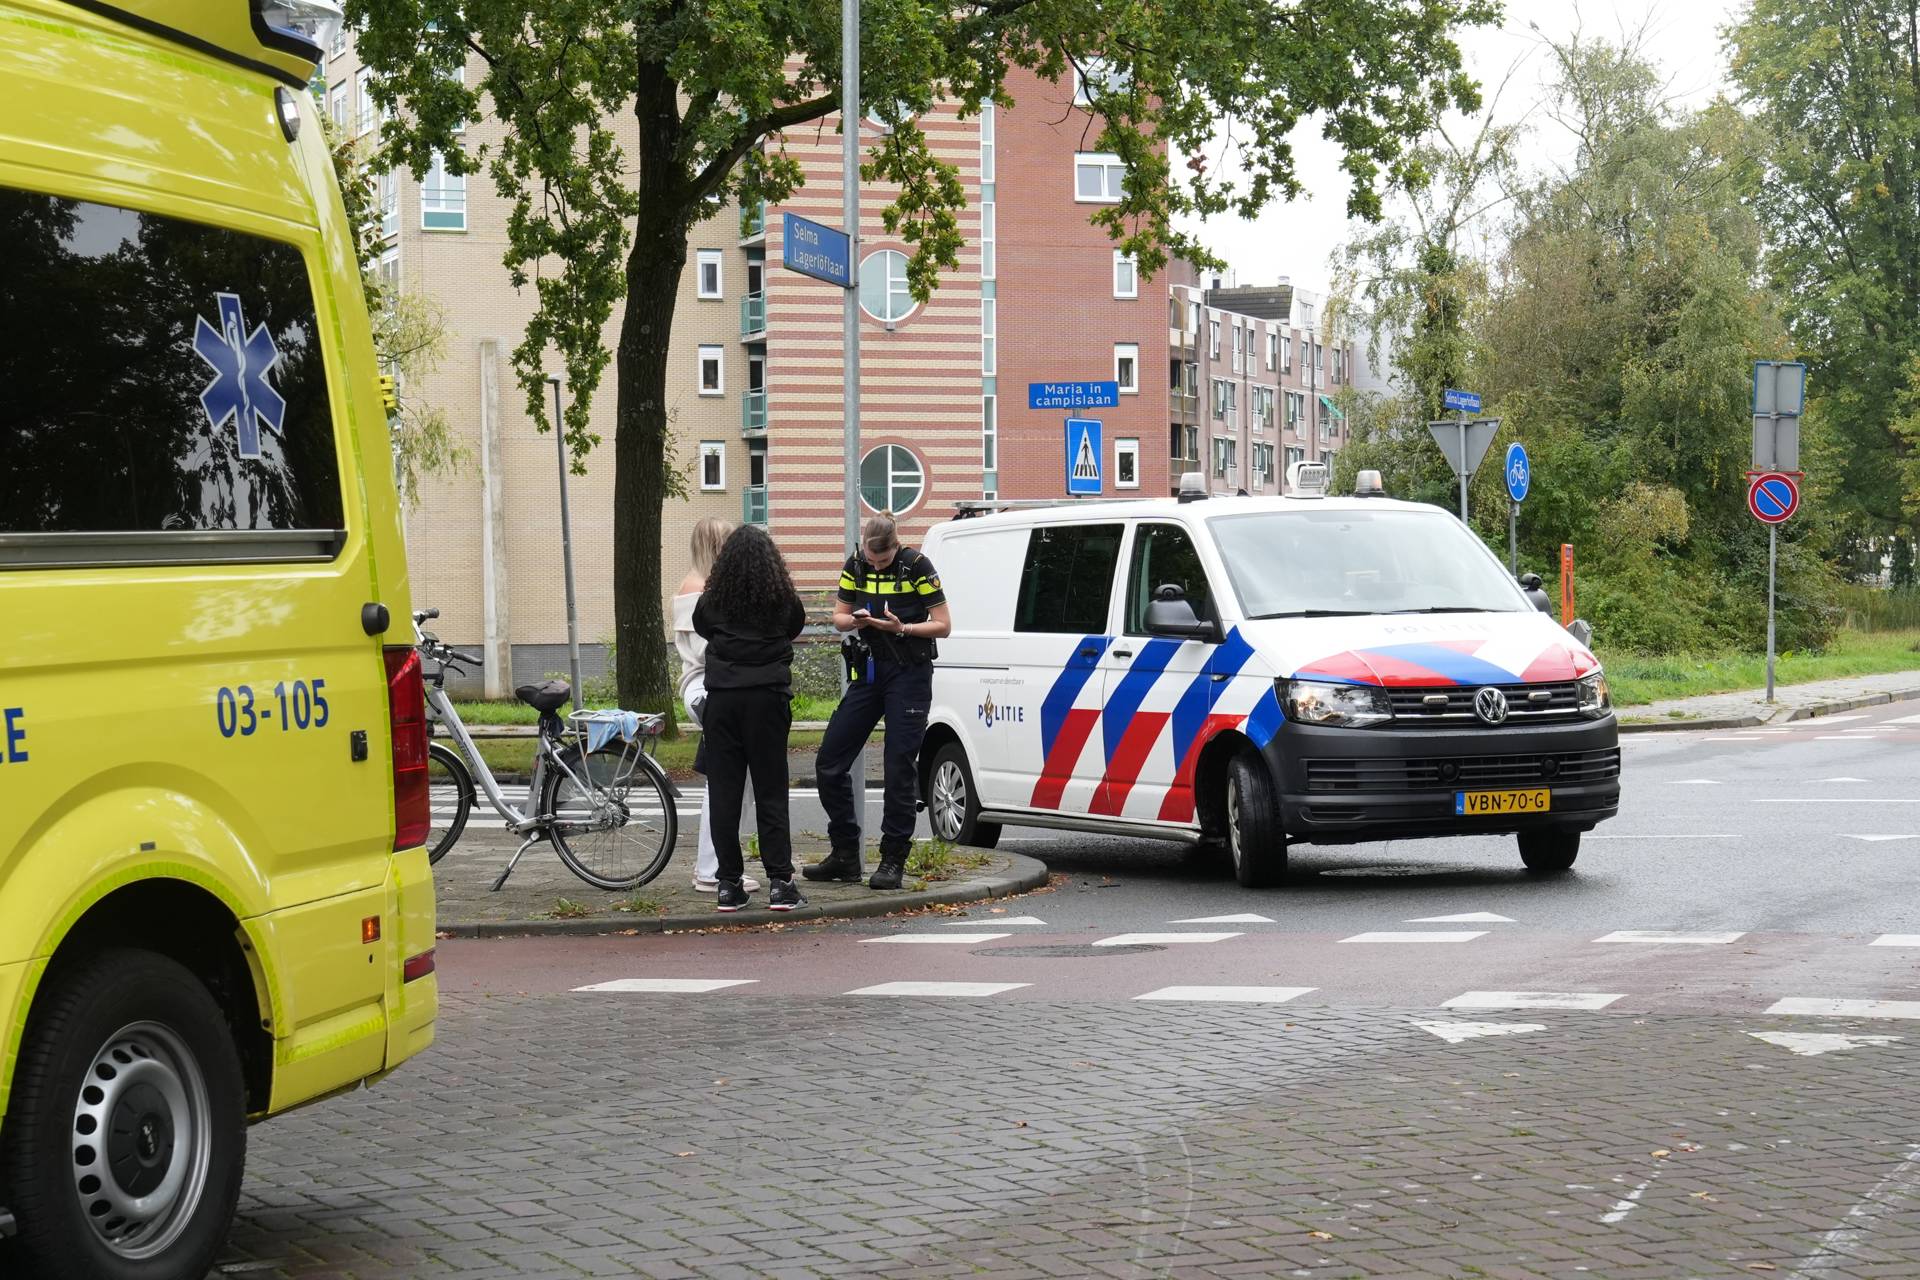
(744, 731)
(900, 693)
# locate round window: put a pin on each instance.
(891, 478)
(883, 286)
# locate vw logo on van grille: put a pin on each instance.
(1490, 705)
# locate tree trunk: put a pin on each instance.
(641, 458)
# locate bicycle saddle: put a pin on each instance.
(546, 697)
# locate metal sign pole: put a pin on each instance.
(850, 312)
(1462, 420)
(1513, 537)
(1773, 552)
(566, 552)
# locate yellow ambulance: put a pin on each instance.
(213, 901)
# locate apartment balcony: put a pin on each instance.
(753, 414)
(753, 224)
(1183, 404)
(753, 504)
(753, 317)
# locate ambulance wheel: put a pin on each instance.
(126, 1131)
(1255, 842)
(953, 803)
(1548, 853)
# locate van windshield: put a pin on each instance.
(1329, 562)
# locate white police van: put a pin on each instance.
(1254, 672)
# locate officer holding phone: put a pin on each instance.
(890, 611)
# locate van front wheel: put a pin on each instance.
(126, 1131)
(953, 803)
(1548, 853)
(1255, 840)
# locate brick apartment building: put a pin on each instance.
(1039, 294)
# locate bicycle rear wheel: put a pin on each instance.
(450, 792)
(618, 831)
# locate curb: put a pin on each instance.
(1754, 722)
(1023, 875)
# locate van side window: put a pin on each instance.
(1068, 578)
(163, 378)
(1164, 555)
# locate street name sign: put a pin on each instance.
(1465, 401)
(1519, 472)
(817, 250)
(1073, 395)
(1083, 455)
(1773, 497)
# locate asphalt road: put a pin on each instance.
(1694, 1055)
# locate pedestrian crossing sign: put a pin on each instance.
(1083, 455)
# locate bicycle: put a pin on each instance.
(596, 793)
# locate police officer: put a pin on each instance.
(890, 609)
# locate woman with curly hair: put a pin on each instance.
(749, 615)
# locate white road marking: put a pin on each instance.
(1009, 920)
(665, 986)
(1429, 935)
(1160, 939)
(1468, 917)
(1878, 839)
(1672, 936)
(1693, 782)
(1532, 1000)
(1820, 1008)
(1456, 1032)
(1826, 720)
(947, 939)
(1843, 1244)
(1904, 720)
(1733, 737)
(1832, 800)
(1811, 1044)
(1624, 1206)
(1833, 737)
(1896, 940)
(1839, 779)
(968, 989)
(1244, 918)
(1233, 995)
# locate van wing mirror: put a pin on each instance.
(1536, 596)
(1169, 614)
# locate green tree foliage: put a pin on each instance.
(1614, 334)
(627, 125)
(1836, 85)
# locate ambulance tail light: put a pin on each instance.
(407, 717)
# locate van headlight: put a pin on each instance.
(1594, 701)
(1347, 705)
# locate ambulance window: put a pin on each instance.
(1163, 555)
(1068, 578)
(166, 392)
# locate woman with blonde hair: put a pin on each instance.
(709, 535)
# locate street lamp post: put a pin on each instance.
(566, 548)
(850, 324)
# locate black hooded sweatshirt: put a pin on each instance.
(749, 653)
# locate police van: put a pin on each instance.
(1258, 672)
(214, 903)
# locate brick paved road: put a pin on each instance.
(737, 1136)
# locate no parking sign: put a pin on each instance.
(1773, 497)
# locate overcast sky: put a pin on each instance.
(1299, 238)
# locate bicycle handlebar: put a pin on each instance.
(472, 660)
(421, 615)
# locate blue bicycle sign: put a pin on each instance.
(1519, 472)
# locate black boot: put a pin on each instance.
(842, 865)
(892, 867)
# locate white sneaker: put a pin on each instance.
(747, 883)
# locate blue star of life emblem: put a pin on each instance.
(240, 363)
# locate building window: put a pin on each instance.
(989, 336)
(1097, 76)
(1193, 379)
(757, 463)
(1126, 367)
(891, 479)
(1222, 456)
(1319, 355)
(1273, 350)
(1286, 353)
(713, 466)
(708, 265)
(1236, 348)
(1213, 339)
(363, 102)
(989, 433)
(1126, 464)
(713, 373)
(443, 198)
(337, 105)
(883, 286)
(389, 189)
(1337, 366)
(1098, 178)
(1126, 275)
(338, 45)
(988, 219)
(986, 143)
(1193, 317)
(389, 268)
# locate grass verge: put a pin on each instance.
(1636, 680)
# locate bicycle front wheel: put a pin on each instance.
(450, 792)
(616, 827)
